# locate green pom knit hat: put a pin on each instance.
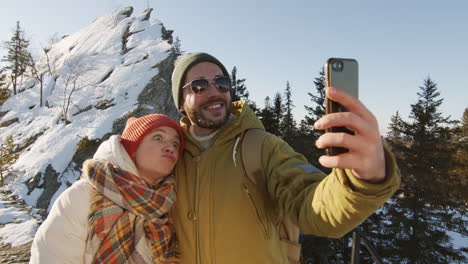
(183, 64)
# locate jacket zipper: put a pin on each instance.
(265, 229)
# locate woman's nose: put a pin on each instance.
(169, 147)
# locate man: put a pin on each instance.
(222, 217)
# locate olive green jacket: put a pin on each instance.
(222, 217)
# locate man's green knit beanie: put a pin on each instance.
(183, 64)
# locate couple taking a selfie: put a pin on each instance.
(178, 192)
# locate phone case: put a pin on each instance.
(342, 74)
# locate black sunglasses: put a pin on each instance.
(200, 86)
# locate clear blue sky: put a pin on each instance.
(397, 43)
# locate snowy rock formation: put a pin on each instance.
(118, 66)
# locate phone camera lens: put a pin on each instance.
(337, 66)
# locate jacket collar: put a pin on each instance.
(112, 151)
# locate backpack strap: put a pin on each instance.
(251, 155)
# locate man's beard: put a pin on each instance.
(197, 117)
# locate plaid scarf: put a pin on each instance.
(126, 213)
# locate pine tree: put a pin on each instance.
(428, 134)
(416, 222)
(254, 107)
(267, 116)
(315, 113)
(4, 92)
(2, 78)
(17, 57)
(239, 89)
(459, 174)
(394, 133)
(395, 136)
(305, 129)
(7, 157)
(288, 126)
(277, 115)
(177, 46)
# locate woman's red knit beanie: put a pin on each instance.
(137, 128)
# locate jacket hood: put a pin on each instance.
(245, 119)
(113, 151)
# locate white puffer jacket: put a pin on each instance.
(62, 236)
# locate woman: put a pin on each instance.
(119, 211)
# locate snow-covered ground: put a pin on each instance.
(112, 59)
(17, 226)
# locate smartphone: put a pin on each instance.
(342, 74)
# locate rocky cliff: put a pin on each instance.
(118, 66)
